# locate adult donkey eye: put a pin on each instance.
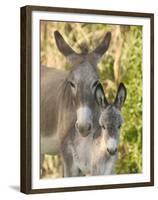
(72, 84)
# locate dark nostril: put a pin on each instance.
(112, 151)
(108, 150)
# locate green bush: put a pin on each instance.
(128, 40)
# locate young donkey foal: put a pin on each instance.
(96, 154)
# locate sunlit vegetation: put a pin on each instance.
(122, 63)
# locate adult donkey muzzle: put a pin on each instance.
(84, 121)
(84, 129)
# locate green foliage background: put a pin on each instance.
(122, 63)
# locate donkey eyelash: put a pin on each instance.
(72, 84)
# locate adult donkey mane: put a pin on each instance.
(68, 98)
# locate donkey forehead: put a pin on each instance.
(84, 72)
(111, 115)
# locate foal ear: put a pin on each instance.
(62, 45)
(103, 46)
(100, 96)
(121, 96)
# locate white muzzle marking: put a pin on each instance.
(112, 143)
(84, 114)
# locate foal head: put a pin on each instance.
(111, 119)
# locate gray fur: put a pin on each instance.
(95, 154)
(63, 93)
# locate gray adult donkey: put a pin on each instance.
(68, 101)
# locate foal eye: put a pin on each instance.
(119, 126)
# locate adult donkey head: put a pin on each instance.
(83, 80)
(111, 119)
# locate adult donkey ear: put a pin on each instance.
(63, 47)
(100, 96)
(103, 46)
(121, 96)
